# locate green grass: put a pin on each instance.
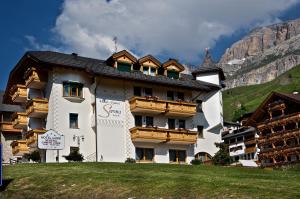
(113, 180)
(252, 96)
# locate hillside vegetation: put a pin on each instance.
(249, 97)
(115, 180)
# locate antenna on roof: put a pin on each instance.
(115, 39)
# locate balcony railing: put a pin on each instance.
(147, 105)
(35, 79)
(153, 105)
(18, 93)
(8, 127)
(37, 108)
(184, 109)
(273, 137)
(19, 147)
(250, 149)
(19, 120)
(282, 120)
(32, 136)
(160, 135)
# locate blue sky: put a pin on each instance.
(85, 27)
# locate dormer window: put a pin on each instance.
(122, 66)
(146, 70)
(172, 69)
(149, 65)
(173, 74)
(123, 61)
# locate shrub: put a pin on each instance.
(130, 160)
(196, 162)
(34, 156)
(222, 157)
(74, 156)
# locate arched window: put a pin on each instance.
(203, 156)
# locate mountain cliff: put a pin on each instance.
(263, 55)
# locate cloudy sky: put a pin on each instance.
(170, 28)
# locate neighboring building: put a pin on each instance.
(7, 132)
(117, 108)
(277, 121)
(241, 141)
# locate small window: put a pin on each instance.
(199, 106)
(72, 89)
(137, 91)
(125, 67)
(170, 95)
(173, 74)
(200, 131)
(146, 70)
(73, 120)
(171, 123)
(180, 96)
(181, 124)
(138, 120)
(144, 154)
(152, 71)
(149, 121)
(148, 91)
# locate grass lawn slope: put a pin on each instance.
(251, 96)
(113, 180)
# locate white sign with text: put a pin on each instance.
(51, 140)
(111, 110)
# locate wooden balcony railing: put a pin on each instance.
(8, 127)
(273, 137)
(35, 79)
(32, 136)
(19, 147)
(160, 135)
(153, 105)
(37, 108)
(19, 120)
(283, 120)
(183, 109)
(18, 93)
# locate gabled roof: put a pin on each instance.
(149, 58)
(123, 53)
(209, 66)
(173, 62)
(261, 110)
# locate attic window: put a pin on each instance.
(125, 67)
(173, 74)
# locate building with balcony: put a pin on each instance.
(118, 108)
(277, 121)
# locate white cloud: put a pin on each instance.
(181, 29)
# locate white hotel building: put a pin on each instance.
(117, 108)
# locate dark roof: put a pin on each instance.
(99, 67)
(209, 66)
(239, 133)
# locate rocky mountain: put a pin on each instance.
(262, 55)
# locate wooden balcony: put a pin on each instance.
(19, 120)
(32, 136)
(35, 79)
(160, 135)
(37, 108)
(18, 93)
(7, 127)
(250, 149)
(148, 105)
(180, 109)
(283, 120)
(19, 147)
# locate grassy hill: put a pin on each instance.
(115, 180)
(251, 96)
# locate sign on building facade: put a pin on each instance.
(51, 140)
(111, 110)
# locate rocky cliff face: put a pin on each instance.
(262, 55)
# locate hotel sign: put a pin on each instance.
(51, 140)
(111, 110)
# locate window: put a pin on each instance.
(149, 121)
(152, 71)
(144, 154)
(138, 120)
(173, 74)
(199, 106)
(125, 67)
(145, 70)
(203, 156)
(177, 155)
(171, 123)
(148, 91)
(170, 95)
(72, 89)
(137, 91)
(239, 139)
(181, 124)
(73, 117)
(200, 131)
(180, 96)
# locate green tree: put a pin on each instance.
(74, 156)
(34, 156)
(239, 112)
(222, 157)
